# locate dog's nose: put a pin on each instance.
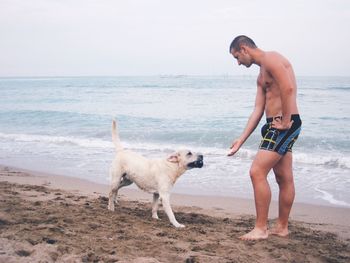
(200, 157)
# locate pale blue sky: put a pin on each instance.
(139, 37)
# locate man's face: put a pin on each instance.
(242, 57)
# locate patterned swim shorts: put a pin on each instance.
(277, 140)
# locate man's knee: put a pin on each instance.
(256, 173)
(284, 178)
(278, 177)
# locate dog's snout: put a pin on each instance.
(198, 163)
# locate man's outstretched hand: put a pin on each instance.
(234, 147)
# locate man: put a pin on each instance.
(276, 95)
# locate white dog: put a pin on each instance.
(155, 176)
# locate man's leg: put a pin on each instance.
(284, 177)
(264, 161)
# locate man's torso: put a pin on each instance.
(273, 101)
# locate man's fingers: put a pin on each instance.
(232, 152)
(234, 148)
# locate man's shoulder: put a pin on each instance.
(273, 55)
(274, 59)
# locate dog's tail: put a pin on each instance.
(115, 136)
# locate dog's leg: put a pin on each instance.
(155, 205)
(112, 195)
(168, 210)
(116, 176)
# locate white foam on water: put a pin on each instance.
(333, 160)
(330, 198)
(90, 158)
(59, 140)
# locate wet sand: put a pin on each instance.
(48, 218)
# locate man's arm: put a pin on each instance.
(253, 121)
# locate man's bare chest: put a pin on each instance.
(265, 80)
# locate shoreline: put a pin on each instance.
(222, 205)
(180, 192)
(45, 217)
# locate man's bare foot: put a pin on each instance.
(278, 230)
(255, 234)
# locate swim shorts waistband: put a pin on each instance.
(294, 117)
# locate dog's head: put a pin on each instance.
(187, 159)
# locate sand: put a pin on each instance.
(51, 218)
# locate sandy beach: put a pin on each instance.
(52, 218)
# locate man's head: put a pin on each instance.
(239, 48)
(240, 41)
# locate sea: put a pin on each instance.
(62, 125)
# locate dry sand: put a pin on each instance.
(50, 218)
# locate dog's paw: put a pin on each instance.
(111, 207)
(179, 225)
(155, 217)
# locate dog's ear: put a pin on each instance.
(173, 158)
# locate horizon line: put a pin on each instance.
(152, 75)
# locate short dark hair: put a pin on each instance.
(241, 40)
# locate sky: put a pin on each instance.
(162, 37)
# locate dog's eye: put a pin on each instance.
(189, 154)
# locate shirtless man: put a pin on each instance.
(276, 95)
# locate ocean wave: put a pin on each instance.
(330, 160)
(327, 159)
(340, 88)
(330, 198)
(60, 140)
